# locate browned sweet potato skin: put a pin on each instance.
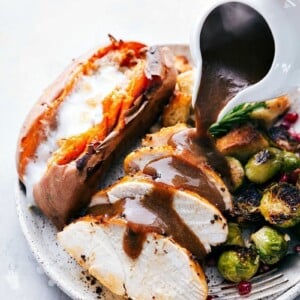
(65, 189)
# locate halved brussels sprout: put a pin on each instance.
(264, 165)
(237, 265)
(234, 237)
(280, 205)
(270, 244)
(246, 203)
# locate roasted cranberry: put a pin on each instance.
(297, 248)
(291, 117)
(284, 178)
(286, 125)
(244, 287)
(295, 135)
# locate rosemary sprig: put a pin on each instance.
(239, 114)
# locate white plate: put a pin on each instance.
(58, 265)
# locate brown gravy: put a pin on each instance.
(133, 242)
(158, 203)
(176, 171)
(199, 150)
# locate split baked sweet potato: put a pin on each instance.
(70, 136)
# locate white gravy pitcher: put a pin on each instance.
(283, 19)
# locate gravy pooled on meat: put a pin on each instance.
(152, 213)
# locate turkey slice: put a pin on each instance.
(163, 269)
(167, 165)
(190, 219)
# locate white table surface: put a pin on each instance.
(37, 40)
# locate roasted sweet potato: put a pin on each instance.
(82, 120)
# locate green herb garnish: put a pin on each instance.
(237, 115)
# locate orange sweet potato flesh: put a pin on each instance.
(115, 106)
(45, 110)
(76, 167)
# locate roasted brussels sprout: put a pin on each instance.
(236, 171)
(291, 161)
(282, 138)
(234, 237)
(237, 265)
(246, 204)
(270, 244)
(280, 205)
(264, 165)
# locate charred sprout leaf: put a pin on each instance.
(270, 244)
(234, 237)
(264, 165)
(246, 204)
(237, 265)
(238, 115)
(236, 171)
(280, 205)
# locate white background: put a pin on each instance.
(37, 40)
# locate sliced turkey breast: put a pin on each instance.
(165, 164)
(196, 149)
(188, 218)
(163, 269)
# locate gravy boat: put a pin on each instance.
(283, 19)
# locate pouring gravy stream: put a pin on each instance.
(237, 50)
